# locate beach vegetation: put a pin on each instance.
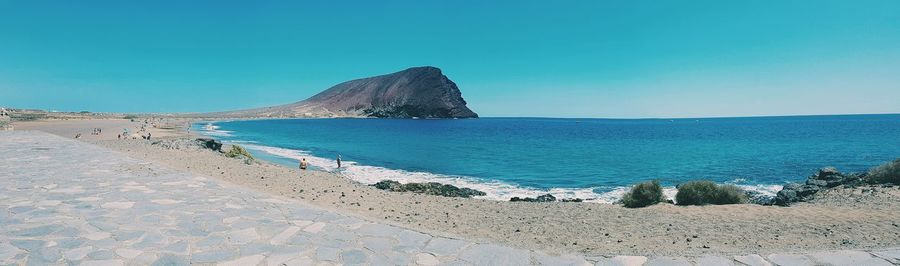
(705, 192)
(27, 116)
(239, 153)
(885, 173)
(643, 195)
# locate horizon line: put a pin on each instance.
(511, 116)
(698, 117)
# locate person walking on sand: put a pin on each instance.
(303, 164)
(339, 161)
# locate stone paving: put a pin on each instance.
(64, 202)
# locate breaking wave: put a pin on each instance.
(213, 130)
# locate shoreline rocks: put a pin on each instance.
(430, 188)
(826, 178)
(544, 198)
(756, 197)
(541, 198)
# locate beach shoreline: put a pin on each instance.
(515, 168)
(593, 229)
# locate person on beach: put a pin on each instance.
(148, 135)
(339, 161)
(303, 164)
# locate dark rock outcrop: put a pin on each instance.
(544, 198)
(826, 178)
(419, 92)
(209, 143)
(830, 177)
(571, 200)
(755, 197)
(541, 198)
(430, 188)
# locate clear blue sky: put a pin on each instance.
(509, 58)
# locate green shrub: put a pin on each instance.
(239, 152)
(643, 195)
(707, 192)
(26, 116)
(885, 173)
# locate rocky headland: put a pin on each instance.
(418, 92)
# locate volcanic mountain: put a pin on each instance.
(418, 92)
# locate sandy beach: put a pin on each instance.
(840, 219)
(111, 128)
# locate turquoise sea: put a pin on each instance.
(593, 159)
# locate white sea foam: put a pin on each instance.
(765, 190)
(495, 190)
(213, 130)
(242, 141)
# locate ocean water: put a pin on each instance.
(594, 159)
